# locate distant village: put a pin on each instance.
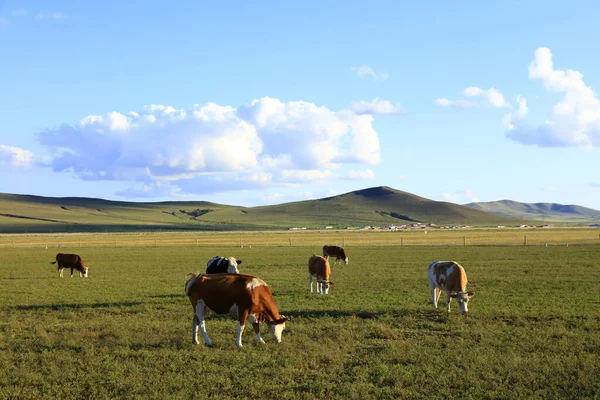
(417, 226)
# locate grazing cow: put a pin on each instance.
(250, 297)
(450, 277)
(336, 251)
(72, 261)
(217, 265)
(318, 267)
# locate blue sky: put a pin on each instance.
(253, 103)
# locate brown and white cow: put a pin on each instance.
(318, 267)
(72, 261)
(250, 297)
(218, 265)
(337, 251)
(450, 277)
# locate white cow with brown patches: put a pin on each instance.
(450, 277)
(250, 297)
(318, 268)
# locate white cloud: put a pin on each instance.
(574, 120)
(273, 197)
(491, 98)
(360, 175)
(212, 148)
(366, 71)
(15, 156)
(301, 176)
(20, 12)
(460, 197)
(376, 106)
(50, 15)
(444, 102)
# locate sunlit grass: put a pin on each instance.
(533, 329)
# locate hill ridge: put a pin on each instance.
(373, 206)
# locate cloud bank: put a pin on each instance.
(366, 71)
(487, 98)
(212, 148)
(376, 106)
(574, 120)
(15, 156)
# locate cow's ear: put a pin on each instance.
(280, 320)
(331, 283)
(238, 261)
(471, 294)
(454, 295)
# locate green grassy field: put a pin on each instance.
(533, 329)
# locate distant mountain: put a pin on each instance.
(549, 212)
(377, 206)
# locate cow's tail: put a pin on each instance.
(53, 262)
(191, 277)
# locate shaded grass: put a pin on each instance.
(533, 329)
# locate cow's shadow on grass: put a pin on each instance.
(344, 314)
(168, 296)
(429, 315)
(73, 306)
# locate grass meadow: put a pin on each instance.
(533, 329)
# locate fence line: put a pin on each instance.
(297, 239)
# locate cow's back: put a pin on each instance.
(448, 276)
(319, 266)
(220, 291)
(68, 259)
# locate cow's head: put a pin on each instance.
(463, 298)
(276, 328)
(232, 266)
(346, 260)
(325, 286)
(84, 272)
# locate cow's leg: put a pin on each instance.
(71, 272)
(195, 323)
(319, 286)
(448, 298)
(201, 323)
(435, 296)
(242, 316)
(256, 326)
(310, 282)
(60, 272)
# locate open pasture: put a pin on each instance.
(533, 329)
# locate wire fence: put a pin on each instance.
(474, 237)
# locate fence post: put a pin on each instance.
(196, 242)
(290, 242)
(464, 241)
(524, 240)
(401, 241)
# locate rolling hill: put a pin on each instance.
(549, 212)
(377, 206)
